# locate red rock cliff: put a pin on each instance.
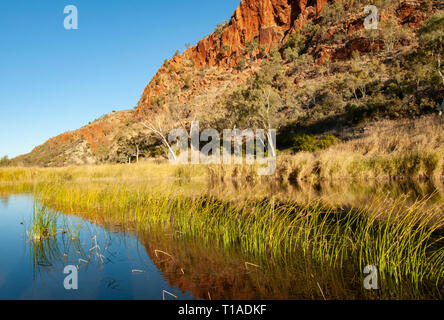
(267, 20)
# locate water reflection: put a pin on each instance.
(211, 272)
(105, 259)
(338, 193)
(109, 259)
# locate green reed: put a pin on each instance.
(43, 224)
(404, 241)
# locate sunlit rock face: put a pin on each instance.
(268, 21)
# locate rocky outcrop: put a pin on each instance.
(268, 21)
(409, 12)
(83, 146)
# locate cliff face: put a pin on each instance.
(268, 21)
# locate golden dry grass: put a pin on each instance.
(387, 136)
(387, 150)
(143, 171)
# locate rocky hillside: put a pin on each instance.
(82, 146)
(323, 72)
(268, 22)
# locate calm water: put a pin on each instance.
(186, 268)
(29, 273)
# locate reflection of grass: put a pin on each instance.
(72, 229)
(45, 252)
(203, 268)
(42, 238)
(402, 240)
(52, 239)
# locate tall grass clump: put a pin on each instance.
(43, 224)
(404, 241)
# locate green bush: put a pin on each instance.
(327, 142)
(291, 54)
(309, 143)
(296, 41)
(305, 142)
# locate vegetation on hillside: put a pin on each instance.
(303, 97)
(316, 100)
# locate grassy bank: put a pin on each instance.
(385, 150)
(403, 238)
(331, 165)
(154, 170)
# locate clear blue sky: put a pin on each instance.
(53, 80)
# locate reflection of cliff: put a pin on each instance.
(220, 274)
(212, 272)
(4, 199)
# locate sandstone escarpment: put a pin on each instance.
(268, 21)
